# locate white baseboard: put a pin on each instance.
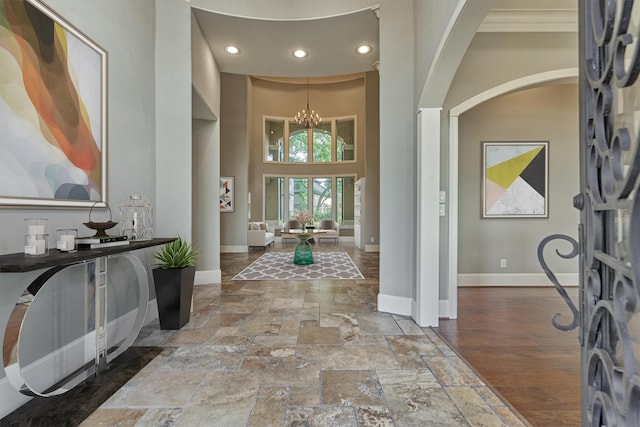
(372, 248)
(523, 279)
(394, 304)
(234, 249)
(10, 399)
(208, 277)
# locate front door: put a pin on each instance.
(610, 212)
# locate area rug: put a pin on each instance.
(280, 266)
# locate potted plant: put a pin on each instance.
(173, 278)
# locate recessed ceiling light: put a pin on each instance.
(300, 53)
(364, 49)
(232, 50)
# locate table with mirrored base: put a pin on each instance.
(54, 313)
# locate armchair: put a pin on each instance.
(332, 230)
(292, 224)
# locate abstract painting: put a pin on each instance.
(226, 199)
(515, 179)
(52, 110)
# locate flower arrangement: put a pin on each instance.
(304, 218)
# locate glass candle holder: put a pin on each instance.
(35, 226)
(66, 239)
(36, 244)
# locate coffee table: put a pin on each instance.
(303, 254)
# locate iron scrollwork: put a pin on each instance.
(575, 322)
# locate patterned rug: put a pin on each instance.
(280, 266)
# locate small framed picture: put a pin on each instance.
(226, 194)
(515, 179)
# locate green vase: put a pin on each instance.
(303, 254)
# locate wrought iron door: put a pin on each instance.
(609, 233)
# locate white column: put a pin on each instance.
(428, 218)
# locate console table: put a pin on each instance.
(23, 278)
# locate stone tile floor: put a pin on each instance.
(300, 353)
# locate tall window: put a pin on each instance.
(326, 197)
(298, 196)
(321, 198)
(331, 141)
(274, 199)
(274, 140)
(322, 143)
(298, 143)
(346, 132)
(345, 198)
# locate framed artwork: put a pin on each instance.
(53, 150)
(226, 196)
(515, 179)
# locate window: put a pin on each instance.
(274, 140)
(331, 141)
(298, 196)
(298, 143)
(326, 197)
(345, 189)
(274, 199)
(322, 143)
(321, 199)
(345, 139)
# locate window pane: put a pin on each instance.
(345, 198)
(274, 199)
(321, 199)
(298, 143)
(274, 140)
(322, 143)
(298, 196)
(345, 131)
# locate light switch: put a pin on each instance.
(442, 209)
(442, 197)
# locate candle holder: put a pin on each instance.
(35, 226)
(136, 218)
(66, 239)
(36, 245)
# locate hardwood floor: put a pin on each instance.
(507, 336)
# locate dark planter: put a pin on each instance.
(174, 289)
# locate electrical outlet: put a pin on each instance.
(503, 263)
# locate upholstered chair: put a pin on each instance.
(332, 230)
(292, 224)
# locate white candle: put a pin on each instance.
(40, 245)
(66, 242)
(36, 229)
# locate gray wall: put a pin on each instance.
(397, 150)
(234, 155)
(126, 30)
(544, 114)
(131, 102)
(206, 154)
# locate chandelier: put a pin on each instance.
(307, 118)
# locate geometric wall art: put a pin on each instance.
(226, 196)
(52, 110)
(515, 179)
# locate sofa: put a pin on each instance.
(258, 235)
